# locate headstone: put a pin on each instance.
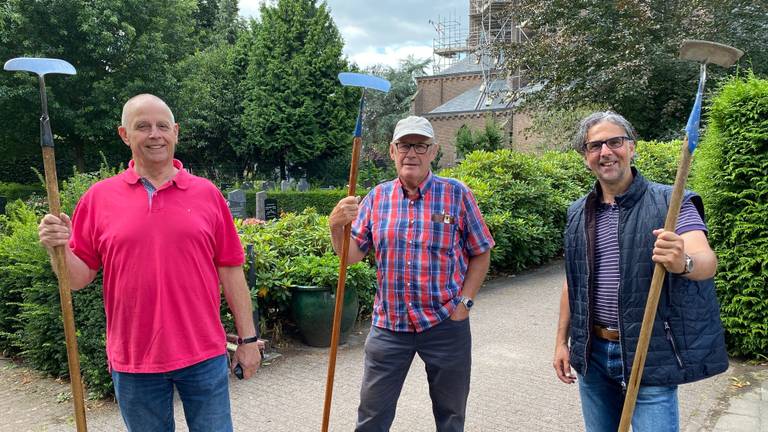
(291, 184)
(267, 185)
(3, 201)
(236, 201)
(261, 196)
(285, 185)
(270, 209)
(303, 185)
(247, 185)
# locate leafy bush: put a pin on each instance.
(658, 160)
(519, 203)
(730, 173)
(323, 271)
(31, 325)
(490, 138)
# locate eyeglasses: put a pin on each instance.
(419, 148)
(612, 143)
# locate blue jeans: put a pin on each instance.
(447, 353)
(602, 395)
(146, 399)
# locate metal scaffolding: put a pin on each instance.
(449, 45)
(490, 26)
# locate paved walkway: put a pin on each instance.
(513, 385)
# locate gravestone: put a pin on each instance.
(285, 185)
(270, 209)
(303, 185)
(236, 201)
(261, 196)
(247, 186)
(267, 185)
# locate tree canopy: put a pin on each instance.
(624, 54)
(119, 48)
(295, 110)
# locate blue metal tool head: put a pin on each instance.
(365, 81)
(40, 66)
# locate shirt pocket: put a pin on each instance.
(442, 237)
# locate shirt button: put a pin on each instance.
(411, 221)
(411, 202)
(409, 284)
(409, 263)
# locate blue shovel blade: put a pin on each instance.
(363, 80)
(40, 66)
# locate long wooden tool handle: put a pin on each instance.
(336, 329)
(65, 294)
(654, 293)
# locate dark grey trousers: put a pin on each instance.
(446, 350)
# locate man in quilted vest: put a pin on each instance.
(613, 238)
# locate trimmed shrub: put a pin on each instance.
(519, 204)
(658, 160)
(14, 191)
(731, 173)
(322, 200)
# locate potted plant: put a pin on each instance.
(313, 296)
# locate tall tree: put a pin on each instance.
(623, 54)
(383, 110)
(119, 48)
(295, 110)
(209, 101)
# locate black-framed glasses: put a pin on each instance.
(419, 148)
(612, 143)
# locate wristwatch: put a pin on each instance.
(688, 265)
(241, 341)
(468, 302)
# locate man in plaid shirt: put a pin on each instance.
(432, 251)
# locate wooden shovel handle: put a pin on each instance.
(654, 293)
(65, 294)
(336, 329)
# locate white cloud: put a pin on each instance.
(383, 31)
(350, 32)
(390, 55)
(250, 8)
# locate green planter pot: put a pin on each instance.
(312, 309)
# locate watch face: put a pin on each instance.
(469, 303)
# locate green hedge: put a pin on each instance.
(731, 173)
(14, 191)
(658, 160)
(322, 200)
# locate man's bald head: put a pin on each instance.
(137, 100)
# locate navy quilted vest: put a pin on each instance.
(687, 343)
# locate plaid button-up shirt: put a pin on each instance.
(422, 248)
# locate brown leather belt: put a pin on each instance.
(604, 333)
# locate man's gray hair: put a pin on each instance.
(580, 139)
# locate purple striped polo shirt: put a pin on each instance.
(607, 257)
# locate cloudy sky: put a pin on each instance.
(385, 31)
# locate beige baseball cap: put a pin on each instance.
(413, 125)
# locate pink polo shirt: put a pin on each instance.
(161, 286)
